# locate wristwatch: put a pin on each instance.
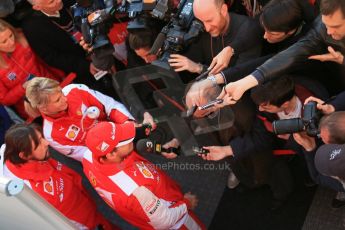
(213, 79)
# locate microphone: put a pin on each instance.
(203, 75)
(149, 146)
(92, 112)
(157, 45)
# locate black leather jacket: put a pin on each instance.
(315, 42)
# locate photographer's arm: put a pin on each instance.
(294, 56)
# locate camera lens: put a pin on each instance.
(288, 126)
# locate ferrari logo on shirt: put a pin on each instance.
(72, 132)
(48, 186)
(93, 180)
(144, 170)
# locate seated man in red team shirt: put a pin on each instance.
(138, 191)
(26, 157)
(70, 112)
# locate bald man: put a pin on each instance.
(230, 39)
(213, 14)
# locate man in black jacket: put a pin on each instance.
(230, 39)
(53, 37)
(327, 36)
(49, 32)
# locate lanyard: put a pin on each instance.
(9, 56)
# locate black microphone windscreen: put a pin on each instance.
(145, 146)
(103, 58)
(157, 45)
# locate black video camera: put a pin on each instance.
(181, 30)
(134, 8)
(309, 122)
(92, 18)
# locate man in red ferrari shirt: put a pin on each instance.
(71, 111)
(26, 157)
(138, 191)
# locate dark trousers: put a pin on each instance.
(264, 168)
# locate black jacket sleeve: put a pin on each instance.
(256, 140)
(241, 70)
(339, 102)
(295, 55)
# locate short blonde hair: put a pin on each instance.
(39, 89)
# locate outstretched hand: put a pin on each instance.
(333, 55)
(221, 61)
(216, 153)
(233, 91)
